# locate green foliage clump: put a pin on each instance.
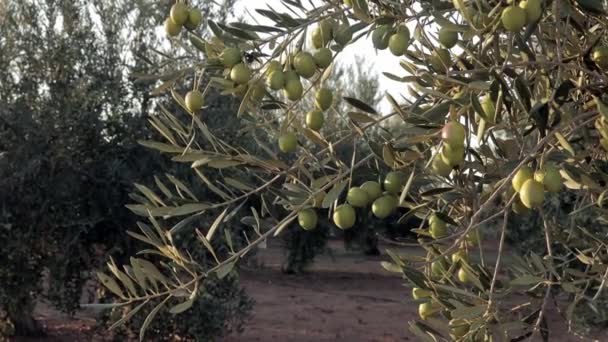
(221, 308)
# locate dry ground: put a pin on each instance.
(346, 298)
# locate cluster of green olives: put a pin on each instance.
(181, 15)
(514, 17)
(429, 307)
(452, 152)
(383, 202)
(531, 186)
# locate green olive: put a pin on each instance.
(513, 18)
(384, 206)
(293, 89)
(344, 216)
(357, 197)
(315, 120)
(179, 13)
(394, 182)
(322, 57)
(308, 219)
(231, 57)
(532, 194)
(323, 99)
(381, 36)
(288, 142)
(240, 73)
(399, 42)
(276, 80)
(550, 178)
(448, 38)
(373, 189)
(438, 227)
(171, 28)
(522, 175)
(304, 64)
(453, 134)
(194, 101)
(194, 18)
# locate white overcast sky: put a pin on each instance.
(379, 61)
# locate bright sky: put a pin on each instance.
(378, 60)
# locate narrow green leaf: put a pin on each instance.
(150, 317)
(181, 307)
(110, 284)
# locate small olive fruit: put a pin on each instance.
(418, 293)
(522, 175)
(194, 18)
(293, 89)
(321, 36)
(322, 57)
(276, 80)
(399, 41)
(373, 189)
(231, 57)
(550, 178)
(273, 66)
(533, 8)
(323, 99)
(394, 182)
(240, 73)
(426, 310)
(519, 208)
(172, 29)
(304, 64)
(291, 75)
(453, 133)
(448, 38)
(440, 167)
(343, 35)
(489, 109)
(532, 194)
(194, 100)
(315, 120)
(464, 276)
(308, 219)
(344, 216)
(381, 37)
(600, 56)
(513, 18)
(179, 13)
(258, 92)
(452, 156)
(384, 206)
(288, 142)
(438, 268)
(357, 197)
(438, 227)
(440, 60)
(461, 254)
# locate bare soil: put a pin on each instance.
(348, 297)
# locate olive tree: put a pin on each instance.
(502, 115)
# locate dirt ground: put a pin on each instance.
(348, 297)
